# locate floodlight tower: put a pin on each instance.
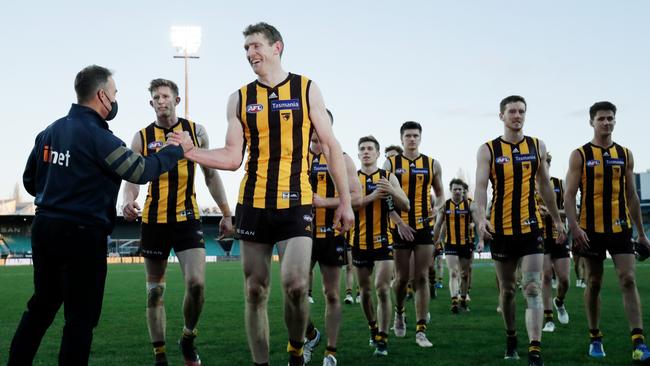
(186, 40)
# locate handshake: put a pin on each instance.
(181, 139)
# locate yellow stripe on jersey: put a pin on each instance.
(277, 129)
(171, 197)
(416, 179)
(512, 174)
(323, 185)
(558, 189)
(457, 219)
(603, 204)
(370, 230)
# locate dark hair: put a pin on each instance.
(601, 106)
(410, 125)
(268, 31)
(393, 147)
(157, 83)
(465, 186)
(511, 99)
(456, 181)
(369, 138)
(331, 116)
(89, 80)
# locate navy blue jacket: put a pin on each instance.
(77, 165)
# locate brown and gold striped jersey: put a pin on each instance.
(323, 185)
(171, 197)
(371, 222)
(512, 173)
(603, 204)
(416, 178)
(558, 189)
(277, 129)
(457, 220)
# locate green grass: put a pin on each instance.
(475, 338)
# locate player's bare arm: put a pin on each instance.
(633, 204)
(231, 155)
(438, 189)
(437, 228)
(573, 176)
(343, 216)
(215, 186)
(480, 193)
(474, 211)
(400, 200)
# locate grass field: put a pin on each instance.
(474, 338)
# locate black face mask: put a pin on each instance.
(113, 112)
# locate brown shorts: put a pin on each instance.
(271, 226)
(614, 243)
(329, 251)
(556, 250)
(509, 247)
(421, 237)
(157, 240)
(463, 251)
(366, 258)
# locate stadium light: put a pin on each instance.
(186, 40)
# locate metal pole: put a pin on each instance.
(186, 87)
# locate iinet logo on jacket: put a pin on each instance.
(54, 157)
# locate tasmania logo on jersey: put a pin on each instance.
(254, 108)
(592, 163)
(291, 104)
(502, 160)
(524, 157)
(155, 145)
(614, 162)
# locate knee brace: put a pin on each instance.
(155, 293)
(532, 285)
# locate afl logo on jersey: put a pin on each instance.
(593, 163)
(502, 160)
(254, 108)
(154, 145)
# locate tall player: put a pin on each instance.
(604, 172)
(513, 164)
(273, 117)
(412, 230)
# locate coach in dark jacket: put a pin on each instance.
(74, 171)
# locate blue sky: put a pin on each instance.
(378, 63)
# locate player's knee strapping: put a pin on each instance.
(532, 285)
(155, 293)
